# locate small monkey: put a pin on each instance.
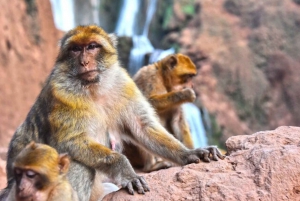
(167, 84)
(40, 175)
(87, 96)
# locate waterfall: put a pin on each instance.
(127, 19)
(126, 26)
(194, 118)
(63, 13)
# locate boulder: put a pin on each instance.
(261, 166)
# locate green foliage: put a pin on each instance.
(216, 134)
(189, 9)
(167, 17)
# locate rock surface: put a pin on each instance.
(261, 166)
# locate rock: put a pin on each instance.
(28, 48)
(261, 166)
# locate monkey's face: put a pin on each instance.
(86, 53)
(181, 71)
(28, 182)
(85, 61)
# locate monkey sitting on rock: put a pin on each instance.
(167, 84)
(87, 96)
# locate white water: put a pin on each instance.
(127, 19)
(126, 26)
(193, 116)
(141, 46)
(63, 13)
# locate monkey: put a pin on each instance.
(40, 175)
(167, 84)
(87, 95)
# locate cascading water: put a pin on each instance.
(126, 27)
(194, 118)
(63, 13)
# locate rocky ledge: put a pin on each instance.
(261, 166)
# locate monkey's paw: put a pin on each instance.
(139, 183)
(204, 154)
(189, 94)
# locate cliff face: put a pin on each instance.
(249, 57)
(261, 166)
(28, 48)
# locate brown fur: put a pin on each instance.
(49, 183)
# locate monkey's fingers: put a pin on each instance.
(215, 152)
(130, 188)
(144, 184)
(139, 186)
(206, 157)
(193, 159)
(203, 154)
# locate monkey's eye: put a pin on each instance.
(30, 173)
(93, 46)
(76, 48)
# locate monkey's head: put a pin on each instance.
(86, 52)
(178, 69)
(37, 167)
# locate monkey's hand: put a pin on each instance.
(204, 154)
(188, 94)
(129, 179)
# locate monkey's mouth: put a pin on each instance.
(90, 76)
(24, 196)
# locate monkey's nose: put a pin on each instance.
(84, 63)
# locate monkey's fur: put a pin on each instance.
(167, 84)
(86, 96)
(47, 179)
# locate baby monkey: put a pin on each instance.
(40, 175)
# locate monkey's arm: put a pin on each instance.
(166, 101)
(147, 132)
(85, 150)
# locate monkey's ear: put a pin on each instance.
(114, 39)
(32, 145)
(172, 61)
(64, 163)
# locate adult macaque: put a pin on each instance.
(86, 96)
(167, 84)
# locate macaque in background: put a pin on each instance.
(40, 175)
(167, 84)
(86, 97)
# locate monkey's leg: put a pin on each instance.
(81, 179)
(103, 159)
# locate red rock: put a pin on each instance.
(261, 166)
(28, 48)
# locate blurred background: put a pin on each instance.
(247, 53)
